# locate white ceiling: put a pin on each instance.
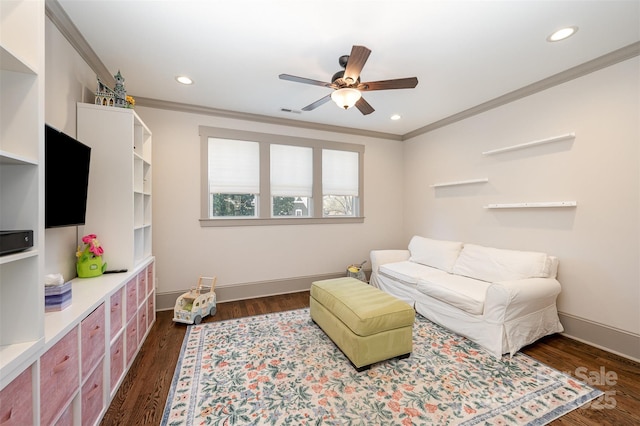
(464, 53)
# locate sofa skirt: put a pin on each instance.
(496, 338)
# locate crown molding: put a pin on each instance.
(196, 109)
(61, 20)
(581, 70)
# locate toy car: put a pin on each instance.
(196, 304)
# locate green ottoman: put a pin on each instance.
(367, 324)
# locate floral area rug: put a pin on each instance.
(281, 369)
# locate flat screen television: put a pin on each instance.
(66, 170)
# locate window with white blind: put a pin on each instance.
(254, 178)
(291, 180)
(340, 183)
(234, 177)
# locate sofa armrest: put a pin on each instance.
(507, 300)
(380, 257)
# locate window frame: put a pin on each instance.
(264, 208)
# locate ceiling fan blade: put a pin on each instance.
(304, 80)
(357, 59)
(364, 107)
(399, 83)
(317, 103)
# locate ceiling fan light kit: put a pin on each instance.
(346, 83)
(346, 97)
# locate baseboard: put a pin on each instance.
(229, 293)
(607, 338)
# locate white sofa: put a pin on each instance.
(501, 299)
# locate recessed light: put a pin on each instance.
(396, 117)
(562, 34)
(183, 79)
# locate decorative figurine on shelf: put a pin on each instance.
(116, 97)
(89, 262)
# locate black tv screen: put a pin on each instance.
(66, 180)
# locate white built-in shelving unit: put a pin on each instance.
(65, 367)
(85, 350)
(118, 207)
(21, 183)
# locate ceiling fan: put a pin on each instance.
(346, 83)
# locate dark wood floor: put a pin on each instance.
(141, 397)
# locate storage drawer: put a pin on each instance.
(151, 315)
(59, 376)
(142, 320)
(117, 361)
(115, 313)
(16, 407)
(93, 344)
(132, 298)
(92, 397)
(131, 343)
(142, 286)
(150, 281)
(66, 419)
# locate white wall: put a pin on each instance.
(68, 79)
(239, 255)
(598, 241)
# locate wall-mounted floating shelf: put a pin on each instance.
(460, 182)
(529, 144)
(532, 205)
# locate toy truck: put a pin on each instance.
(197, 303)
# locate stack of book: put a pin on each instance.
(57, 297)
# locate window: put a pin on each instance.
(254, 178)
(340, 182)
(234, 177)
(291, 175)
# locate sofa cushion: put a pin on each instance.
(408, 272)
(435, 253)
(464, 293)
(492, 264)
